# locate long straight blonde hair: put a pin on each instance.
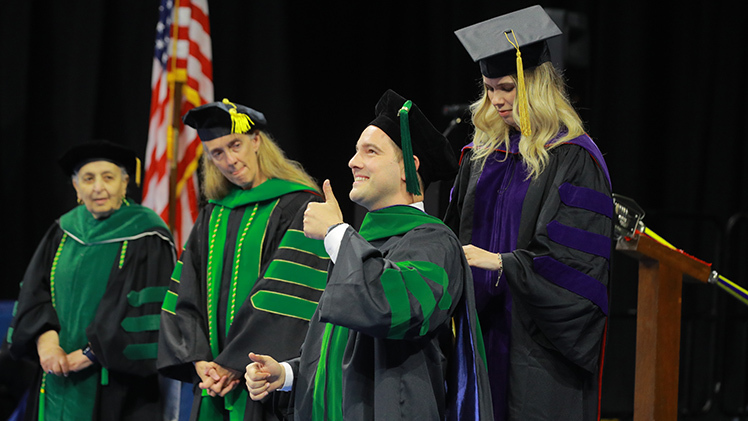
(271, 161)
(550, 112)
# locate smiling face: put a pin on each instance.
(235, 155)
(501, 92)
(378, 174)
(101, 186)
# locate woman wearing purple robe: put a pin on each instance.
(532, 206)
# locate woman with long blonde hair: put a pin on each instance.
(532, 206)
(271, 161)
(248, 279)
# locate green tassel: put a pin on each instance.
(411, 177)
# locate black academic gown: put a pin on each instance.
(380, 345)
(293, 270)
(543, 321)
(123, 331)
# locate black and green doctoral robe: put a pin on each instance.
(381, 345)
(98, 281)
(247, 280)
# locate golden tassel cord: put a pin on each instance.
(240, 123)
(523, 103)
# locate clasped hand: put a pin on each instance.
(54, 359)
(216, 379)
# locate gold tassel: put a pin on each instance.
(240, 123)
(137, 171)
(523, 103)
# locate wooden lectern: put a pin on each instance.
(661, 271)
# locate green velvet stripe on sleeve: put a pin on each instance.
(284, 305)
(296, 240)
(412, 279)
(146, 295)
(295, 273)
(141, 351)
(141, 323)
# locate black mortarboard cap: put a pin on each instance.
(80, 155)
(217, 119)
(488, 42)
(409, 128)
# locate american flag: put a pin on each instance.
(183, 72)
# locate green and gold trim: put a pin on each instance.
(248, 256)
(213, 275)
(176, 275)
(54, 269)
(170, 302)
(284, 304)
(122, 254)
(295, 240)
(297, 274)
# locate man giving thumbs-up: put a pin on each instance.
(381, 343)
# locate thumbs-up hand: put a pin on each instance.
(318, 217)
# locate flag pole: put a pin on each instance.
(173, 159)
(172, 132)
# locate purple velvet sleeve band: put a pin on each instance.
(579, 239)
(573, 280)
(584, 198)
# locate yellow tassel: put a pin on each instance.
(240, 123)
(522, 102)
(137, 171)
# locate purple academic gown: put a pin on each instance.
(543, 322)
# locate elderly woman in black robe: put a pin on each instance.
(89, 306)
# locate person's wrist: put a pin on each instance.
(88, 353)
(500, 270)
(333, 226)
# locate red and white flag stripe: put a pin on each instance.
(182, 60)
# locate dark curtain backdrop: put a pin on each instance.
(662, 90)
